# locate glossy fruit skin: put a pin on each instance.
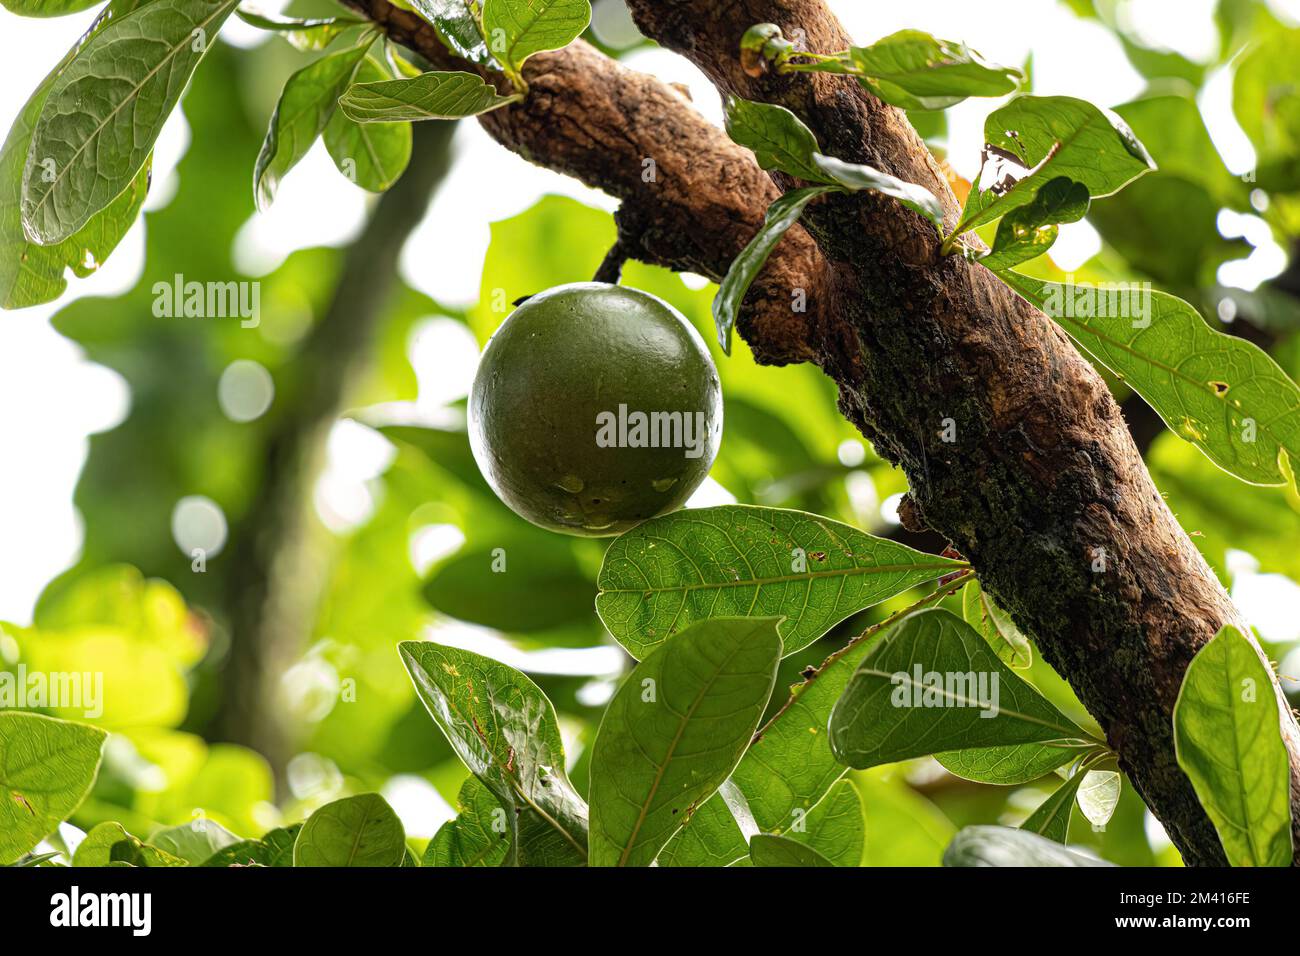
(559, 367)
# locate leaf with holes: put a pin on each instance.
(427, 96)
(516, 29)
(105, 110)
(740, 561)
(931, 684)
(47, 767)
(1223, 394)
(1227, 735)
(1034, 140)
(781, 215)
(478, 836)
(673, 733)
(504, 729)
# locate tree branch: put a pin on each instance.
(1043, 491)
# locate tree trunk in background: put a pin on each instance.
(276, 573)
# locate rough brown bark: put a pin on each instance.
(1044, 478)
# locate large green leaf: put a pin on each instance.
(309, 100)
(739, 560)
(106, 109)
(29, 273)
(1224, 394)
(914, 70)
(1228, 738)
(372, 155)
(504, 729)
(479, 836)
(47, 767)
(674, 732)
(355, 831)
(516, 29)
(780, 216)
(431, 95)
(932, 684)
(1006, 846)
(768, 850)
(1052, 137)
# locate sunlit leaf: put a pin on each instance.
(1006, 846)
(431, 95)
(517, 29)
(355, 831)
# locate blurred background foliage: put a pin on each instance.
(257, 678)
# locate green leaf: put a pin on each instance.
(1227, 735)
(479, 836)
(193, 842)
(275, 848)
(914, 70)
(372, 155)
(739, 560)
(1050, 137)
(109, 843)
(711, 837)
(428, 96)
(355, 831)
(1006, 846)
(1007, 766)
(516, 29)
(47, 8)
(1220, 392)
(106, 109)
(32, 274)
(456, 27)
(529, 588)
(834, 828)
(673, 733)
(309, 36)
(47, 767)
(504, 729)
(856, 176)
(309, 100)
(768, 850)
(778, 138)
(781, 215)
(1052, 818)
(1028, 231)
(931, 684)
(981, 613)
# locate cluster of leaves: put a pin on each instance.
(683, 770)
(74, 170)
(1045, 159)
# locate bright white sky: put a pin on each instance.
(51, 399)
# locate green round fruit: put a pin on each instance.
(595, 407)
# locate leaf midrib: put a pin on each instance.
(785, 579)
